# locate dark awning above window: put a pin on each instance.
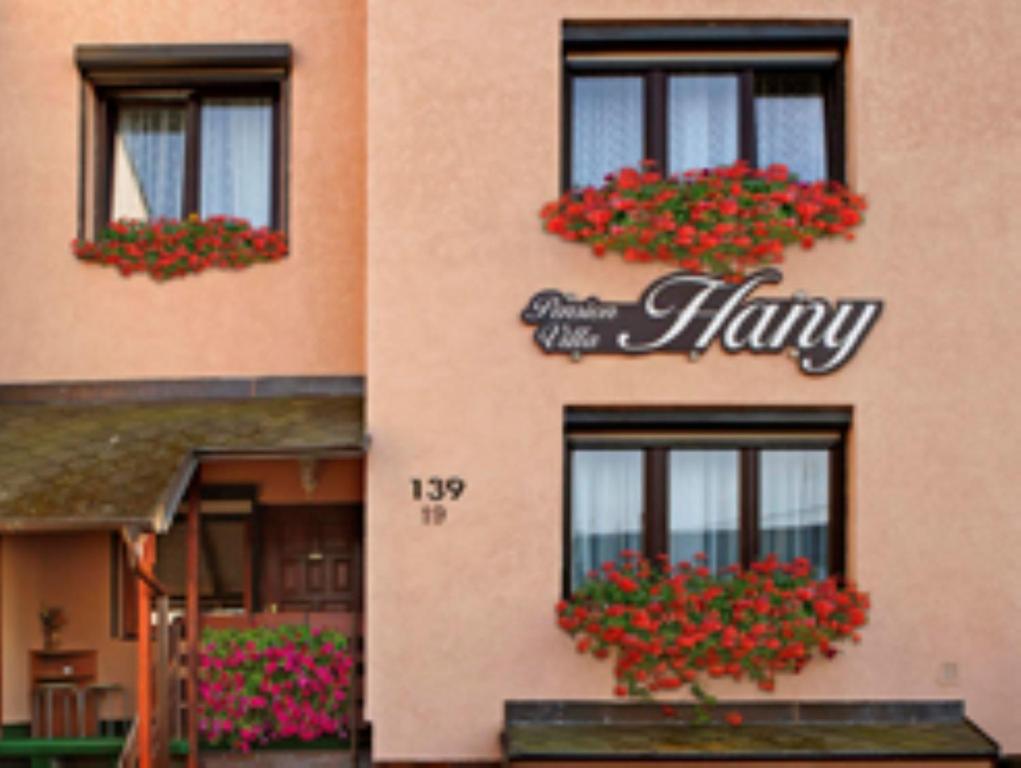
(588, 419)
(579, 35)
(86, 456)
(116, 64)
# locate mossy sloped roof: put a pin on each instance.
(107, 464)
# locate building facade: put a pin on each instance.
(406, 149)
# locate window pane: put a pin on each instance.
(606, 127)
(794, 488)
(148, 163)
(703, 506)
(790, 123)
(222, 565)
(237, 159)
(606, 508)
(702, 122)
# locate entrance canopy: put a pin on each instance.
(121, 454)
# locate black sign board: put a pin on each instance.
(686, 312)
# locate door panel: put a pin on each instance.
(341, 572)
(311, 558)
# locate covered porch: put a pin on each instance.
(147, 512)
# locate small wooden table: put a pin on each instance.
(58, 682)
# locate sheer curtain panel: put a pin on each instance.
(606, 508)
(702, 121)
(794, 517)
(148, 162)
(790, 123)
(704, 506)
(606, 127)
(237, 159)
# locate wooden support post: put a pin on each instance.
(1, 636)
(248, 554)
(144, 682)
(192, 620)
(162, 681)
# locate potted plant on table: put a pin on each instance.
(53, 620)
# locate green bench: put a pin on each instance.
(41, 753)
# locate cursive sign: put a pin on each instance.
(686, 312)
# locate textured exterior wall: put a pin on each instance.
(464, 132)
(66, 320)
(279, 482)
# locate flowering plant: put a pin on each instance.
(257, 686)
(668, 627)
(52, 618)
(723, 221)
(168, 248)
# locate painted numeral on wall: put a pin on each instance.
(437, 488)
(434, 514)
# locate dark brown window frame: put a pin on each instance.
(664, 430)
(123, 592)
(112, 73)
(111, 99)
(736, 40)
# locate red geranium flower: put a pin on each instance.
(722, 221)
(667, 626)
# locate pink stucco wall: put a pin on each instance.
(425, 172)
(463, 141)
(65, 320)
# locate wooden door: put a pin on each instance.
(311, 559)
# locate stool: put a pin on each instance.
(99, 692)
(42, 697)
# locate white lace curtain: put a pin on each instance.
(702, 125)
(607, 127)
(790, 123)
(704, 507)
(606, 507)
(794, 505)
(237, 157)
(148, 167)
(235, 151)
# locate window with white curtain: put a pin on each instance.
(730, 493)
(693, 105)
(175, 129)
(179, 151)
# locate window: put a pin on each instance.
(736, 485)
(177, 130)
(702, 95)
(224, 561)
(123, 591)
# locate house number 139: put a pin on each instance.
(434, 490)
(437, 488)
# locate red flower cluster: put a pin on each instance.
(667, 627)
(724, 221)
(168, 248)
